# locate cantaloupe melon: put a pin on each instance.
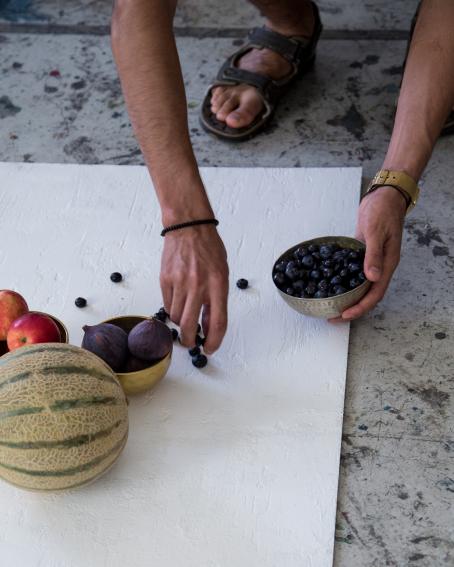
(63, 417)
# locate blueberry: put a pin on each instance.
(336, 280)
(290, 291)
(199, 341)
(280, 267)
(242, 283)
(323, 285)
(311, 288)
(279, 279)
(328, 263)
(338, 289)
(307, 261)
(320, 294)
(199, 328)
(81, 302)
(316, 256)
(292, 271)
(315, 275)
(161, 315)
(354, 282)
(354, 267)
(313, 248)
(200, 361)
(300, 252)
(343, 273)
(116, 277)
(353, 255)
(195, 351)
(361, 277)
(328, 273)
(326, 251)
(298, 286)
(174, 334)
(338, 255)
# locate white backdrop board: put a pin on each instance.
(235, 465)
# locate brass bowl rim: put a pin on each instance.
(314, 299)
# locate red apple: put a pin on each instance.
(12, 306)
(32, 328)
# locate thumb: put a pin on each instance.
(373, 262)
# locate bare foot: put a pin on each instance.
(239, 105)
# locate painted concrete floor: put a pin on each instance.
(396, 490)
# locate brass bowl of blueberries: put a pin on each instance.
(323, 276)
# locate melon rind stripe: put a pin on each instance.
(63, 405)
(21, 411)
(71, 471)
(23, 352)
(62, 371)
(77, 441)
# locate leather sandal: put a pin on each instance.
(298, 51)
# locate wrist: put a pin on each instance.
(391, 195)
(182, 198)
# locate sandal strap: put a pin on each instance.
(293, 50)
(268, 88)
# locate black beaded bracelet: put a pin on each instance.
(187, 224)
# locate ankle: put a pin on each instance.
(301, 23)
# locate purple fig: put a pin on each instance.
(107, 341)
(134, 364)
(150, 340)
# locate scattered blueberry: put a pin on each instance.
(195, 351)
(174, 334)
(200, 361)
(199, 341)
(81, 302)
(242, 283)
(161, 315)
(116, 277)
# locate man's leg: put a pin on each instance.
(239, 105)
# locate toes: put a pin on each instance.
(218, 102)
(228, 106)
(250, 106)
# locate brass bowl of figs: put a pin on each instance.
(138, 375)
(329, 306)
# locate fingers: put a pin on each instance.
(178, 303)
(167, 292)
(217, 323)
(378, 289)
(189, 320)
(373, 262)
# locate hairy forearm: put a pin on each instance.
(427, 93)
(146, 56)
